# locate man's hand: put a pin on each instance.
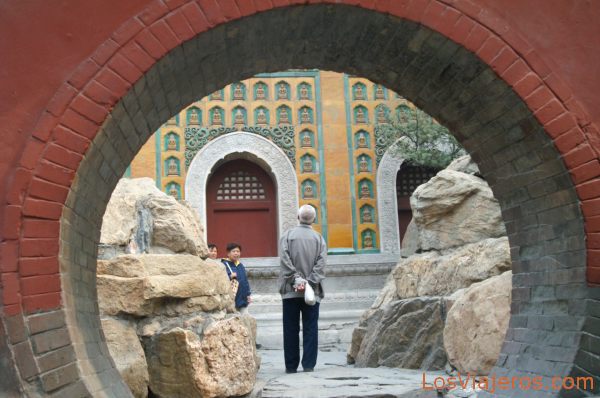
(299, 284)
(249, 298)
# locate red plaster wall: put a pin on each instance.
(41, 43)
(565, 32)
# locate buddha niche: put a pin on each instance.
(173, 191)
(172, 121)
(238, 93)
(172, 169)
(305, 116)
(172, 143)
(239, 117)
(366, 215)
(365, 192)
(306, 141)
(379, 94)
(216, 95)
(284, 117)
(260, 92)
(363, 165)
(360, 116)
(362, 140)
(261, 117)
(358, 93)
(381, 115)
(194, 117)
(307, 165)
(368, 242)
(303, 92)
(217, 119)
(308, 192)
(282, 93)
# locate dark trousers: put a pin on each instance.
(292, 308)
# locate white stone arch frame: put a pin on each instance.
(387, 202)
(240, 142)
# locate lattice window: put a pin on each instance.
(241, 185)
(410, 177)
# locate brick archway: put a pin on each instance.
(531, 151)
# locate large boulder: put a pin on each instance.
(437, 274)
(404, 334)
(464, 164)
(155, 284)
(476, 325)
(120, 220)
(127, 352)
(453, 209)
(140, 218)
(216, 359)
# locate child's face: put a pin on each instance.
(213, 253)
(234, 254)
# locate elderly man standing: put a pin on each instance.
(303, 253)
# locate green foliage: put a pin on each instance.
(424, 141)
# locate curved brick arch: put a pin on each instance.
(513, 146)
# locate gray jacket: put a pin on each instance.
(302, 252)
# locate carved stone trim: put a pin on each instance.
(198, 137)
(244, 143)
(387, 202)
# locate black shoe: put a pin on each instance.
(309, 369)
(258, 346)
(291, 371)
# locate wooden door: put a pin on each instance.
(241, 208)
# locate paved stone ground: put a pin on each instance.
(333, 378)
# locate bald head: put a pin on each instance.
(306, 214)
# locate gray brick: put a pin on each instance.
(74, 390)
(57, 358)
(59, 377)
(15, 328)
(46, 321)
(50, 340)
(25, 360)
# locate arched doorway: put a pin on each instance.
(241, 207)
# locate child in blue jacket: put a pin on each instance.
(235, 269)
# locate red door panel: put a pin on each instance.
(241, 208)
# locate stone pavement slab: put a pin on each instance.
(333, 378)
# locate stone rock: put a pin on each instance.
(120, 221)
(410, 240)
(464, 164)
(128, 354)
(453, 209)
(154, 284)
(127, 266)
(142, 219)
(404, 334)
(220, 364)
(476, 325)
(118, 295)
(438, 274)
(176, 225)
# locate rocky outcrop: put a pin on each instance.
(181, 308)
(477, 323)
(464, 164)
(127, 352)
(215, 359)
(454, 243)
(404, 333)
(454, 209)
(437, 274)
(155, 284)
(140, 218)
